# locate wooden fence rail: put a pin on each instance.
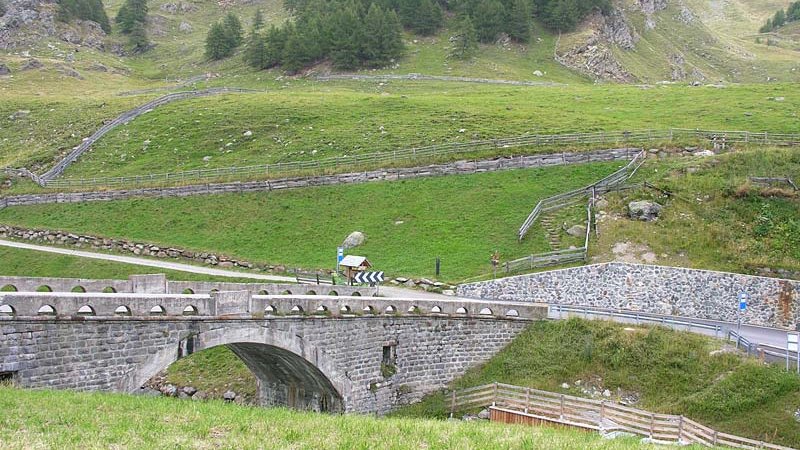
(400, 156)
(517, 404)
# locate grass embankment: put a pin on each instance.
(408, 223)
(30, 263)
(716, 219)
(213, 371)
(49, 419)
(309, 121)
(673, 372)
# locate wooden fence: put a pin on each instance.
(408, 155)
(770, 181)
(515, 404)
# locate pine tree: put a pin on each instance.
(217, 42)
(518, 24)
(374, 44)
(489, 17)
(258, 20)
(793, 12)
(464, 40)
(255, 51)
(69, 10)
(393, 35)
(296, 54)
(348, 35)
(767, 27)
(131, 12)
(428, 18)
(780, 19)
(233, 30)
(3, 7)
(274, 43)
(137, 38)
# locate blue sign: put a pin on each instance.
(742, 301)
(339, 255)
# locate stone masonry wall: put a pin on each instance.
(677, 291)
(455, 168)
(120, 354)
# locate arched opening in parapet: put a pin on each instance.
(79, 289)
(270, 310)
(391, 309)
(158, 310)
(190, 310)
(86, 310)
(8, 288)
(311, 292)
(286, 292)
(486, 312)
(512, 313)
(369, 309)
(44, 288)
(345, 309)
(296, 310)
(321, 310)
(413, 309)
(461, 310)
(7, 310)
(46, 310)
(109, 290)
(122, 310)
(258, 374)
(436, 309)
(187, 291)
(356, 294)
(263, 292)
(334, 293)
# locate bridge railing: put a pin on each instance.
(516, 404)
(243, 304)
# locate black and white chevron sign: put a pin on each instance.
(368, 277)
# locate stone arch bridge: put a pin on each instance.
(324, 353)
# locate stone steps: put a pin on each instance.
(553, 232)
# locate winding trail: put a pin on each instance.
(124, 118)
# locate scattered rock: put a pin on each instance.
(704, 153)
(189, 390)
(538, 73)
(148, 392)
(601, 203)
(169, 390)
(354, 239)
(185, 27)
(20, 114)
(484, 414)
(206, 158)
(4, 70)
(606, 393)
(247, 133)
(449, 292)
(97, 67)
(797, 415)
(31, 64)
(644, 210)
(565, 386)
(229, 396)
(577, 230)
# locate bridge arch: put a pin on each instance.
(289, 370)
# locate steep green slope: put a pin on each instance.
(51, 419)
(670, 372)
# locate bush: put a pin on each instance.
(69, 10)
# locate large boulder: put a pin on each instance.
(355, 239)
(577, 231)
(4, 70)
(644, 210)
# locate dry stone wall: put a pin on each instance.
(704, 294)
(456, 168)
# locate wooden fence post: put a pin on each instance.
(602, 414)
(680, 428)
(494, 396)
(561, 412)
(527, 399)
(652, 424)
(453, 405)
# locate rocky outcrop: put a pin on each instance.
(644, 210)
(616, 30)
(26, 22)
(649, 8)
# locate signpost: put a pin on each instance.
(742, 308)
(793, 346)
(339, 257)
(369, 277)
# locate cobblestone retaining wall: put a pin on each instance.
(705, 294)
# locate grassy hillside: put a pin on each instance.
(671, 372)
(29, 263)
(461, 219)
(48, 419)
(716, 219)
(307, 121)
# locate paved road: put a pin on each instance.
(754, 334)
(390, 291)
